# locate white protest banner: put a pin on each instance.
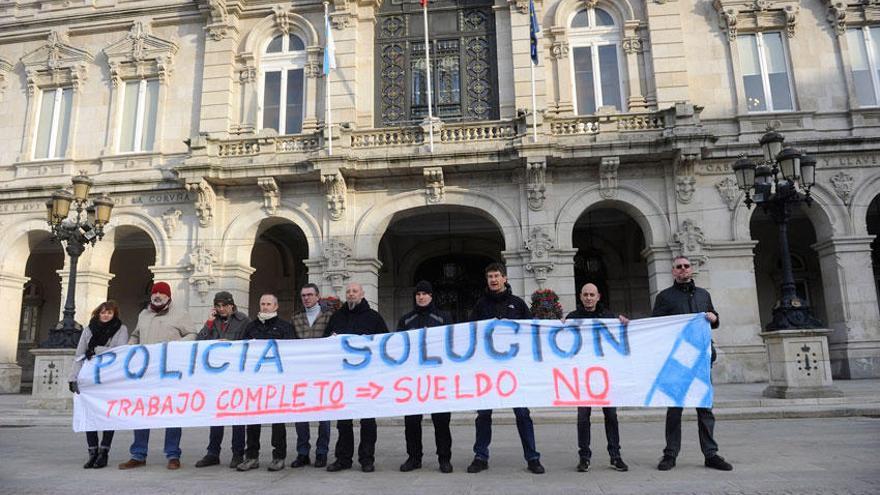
(483, 365)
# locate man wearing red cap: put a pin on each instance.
(160, 322)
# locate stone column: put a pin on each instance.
(659, 261)
(235, 279)
(11, 287)
(851, 306)
(182, 292)
(516, 261)
(667, 51)
(218, 79)
(91, 290)
(365, 272)
(632, 47)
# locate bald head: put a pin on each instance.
(354, 294)
(590, 296)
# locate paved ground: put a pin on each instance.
(781, 456)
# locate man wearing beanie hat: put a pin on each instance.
(161, 322)
(225, 322)
(426, 314)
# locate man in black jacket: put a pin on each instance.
(589, 309)
(499, 302)
(267, 326)
(426, 314)
(682, 298)
(356, 317)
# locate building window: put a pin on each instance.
(53, 123)
(765, 72)
(140, 105)
(595, 42)
(864, 55)
(283, 86)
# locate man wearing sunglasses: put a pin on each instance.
(685, 297)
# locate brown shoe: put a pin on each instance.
(132, 463)
(173, 464)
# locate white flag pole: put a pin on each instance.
(329, 117)
(534, 103)
(428, 76)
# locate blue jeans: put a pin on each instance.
(322, 445)
(524, 426)
(215, 438)
(141, 443)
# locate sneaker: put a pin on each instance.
(535, 466)
(584, 465)
(208, 460)
(248, 464)
(667, 463)
(276, 465)
(132, 463)
(173, 464)
(618, 465)
(338, 466)
(718, 462)
(445, 467)
(300, 461)
(235, 461)
(411, 464)
(478, 465)
(320, 460)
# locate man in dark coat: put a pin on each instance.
(267, 326)
(682, 298)
(357, 318)
(499, 302)
(426, 314)
(590, 309)
(226, 322)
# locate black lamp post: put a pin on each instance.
(84, 227)
(781, 180)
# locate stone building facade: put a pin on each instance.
(206, 121)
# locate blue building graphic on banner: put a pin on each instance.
(686, 374)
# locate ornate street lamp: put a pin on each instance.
(783, 179)
(85, 226)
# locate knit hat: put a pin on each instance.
(223, 297)
(162, 288)
(424, 286)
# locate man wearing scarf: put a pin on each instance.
(161, 321)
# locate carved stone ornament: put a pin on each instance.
(205, 200)
(540, 245)
(343, 13)
(749, 16)
(140, 55)
(56, 64)
(202, 260)
(632, 44)
(729, 192)
(848, 13)
(336, 254)
(435, 187)
(282, 18)
(691, 241)
(5, 69)
(685, 182)
(221, 24)
(536, 184)
(271, 194)
(335, 192)
(843, 185)
(608, 181)
(170, 220)
(522, 6)
(559, 46)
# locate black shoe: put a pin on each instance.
(338, 466)
(411, 463)
(667, 463)
(235, 461)
(618, 465)
(208, 460)
(93, 457)
(445, 466)
(535, 466)
(103, 453)
(300, 461)
(718, 462)
(368, 467)
(478, 465)
(320, 460)
(583, 465)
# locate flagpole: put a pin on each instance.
(329, 117)
(428, 76)
(533, 61)
(534, 104)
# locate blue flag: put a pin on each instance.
(330, 48)
(534, 29)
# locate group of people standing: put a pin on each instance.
(163, 321)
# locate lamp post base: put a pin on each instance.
(799, 364)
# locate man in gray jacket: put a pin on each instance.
(226, 322)
(160, 322)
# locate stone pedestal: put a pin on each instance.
(51, 369)
(10, 378)
(799, 364)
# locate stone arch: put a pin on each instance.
(413, 259)
(622, 9)
(238, 238)
(14, 253)
(827, 218)
(374, 222)
(645, 211)
(148, 224)
(862, 198)
(264, 30)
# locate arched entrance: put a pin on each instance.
(873, 220)
(277, 258)
(133, 255)
(805, 262)
(609, 244)
(41, 298)
(447, 246)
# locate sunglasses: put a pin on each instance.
(682, 266)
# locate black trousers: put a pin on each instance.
(279, 441)
(345, 442)
(612, 432)
(106, 439)
(442, 435)
(705, 428)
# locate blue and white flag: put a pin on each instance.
(329, 48)
(534, 29)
